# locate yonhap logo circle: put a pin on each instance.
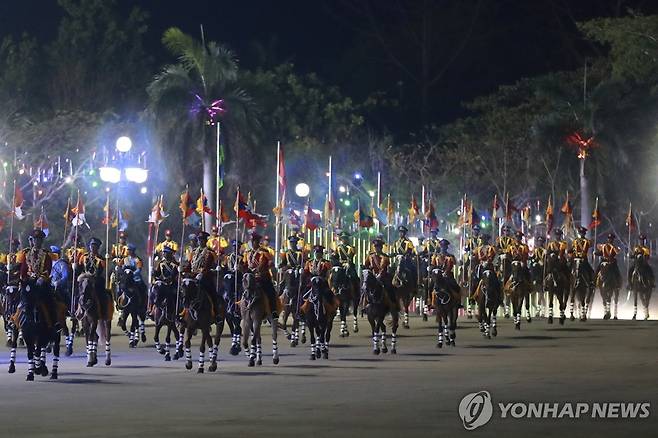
(476, 409)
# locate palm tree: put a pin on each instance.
(181, 100)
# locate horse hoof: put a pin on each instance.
(424, 317)
(385, 350)
(275, 361)
(529, 320)
(468, 317)
(312, 356)
(615, 318)
(303, 339)
(188, 365)
(89, 365)
(30, 378)
(507, 316)
(550, 320)
(394, 351)
(562, 319)
(176, 356)
(53, 376)
(199, 371)
(406, 326)
(517, 326)
(49, 349)
(494, 332)
(235, 350)
(572, 318)
(212, 368)
(318, 352)
(439, 345)
(342, 335)
(288, 336)
(259, 362)
(325, 355)
(347, 334)
(94, 361)
(488, 336)
(583, 319)
(162, 351)
(69, 351)
(606, 316)
(375, 351)
(43, 371)
(356, 330)
(634, 317)
(12, 368)
(293, 344)
(143, 338)
(252, 362)
(167, 358)
(108, 362)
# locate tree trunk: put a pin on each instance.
(208, 187)
(584, 196)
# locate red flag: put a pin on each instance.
(186, 205)
(414, 211)
(431, 221)
(567, 208)
(596, 217)
(312, 219)
(549, 215)
(106, 211)
(630, 219)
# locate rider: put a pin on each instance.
(292, 257)
(378, 262)
(580, 250)
(445, 261)
(216, 242)
(203, 262)
(258, 260)
(166, 271)
(539, 251)
(505, 241)
(317, 266)
(35, 267)
(9, 260)
(608, 251)
(191, 246)
(92, 262)
(167, 243)
(120, 249)
(432, 245)
(60, 275)
(344, 254)
(134, 263)
(403, 245)
(641, 249)
(520, 252)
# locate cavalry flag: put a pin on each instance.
(414, 211)
(106, 211)
(42, 223)
(18, 202)
(223, 215)
(431, 221)
(379, 214)
(202, 205)
(312, 219)
(244, 212)
(549, 215)
(567, 210)
(79, 213)
(390, 210)
(362, 219)
(187, 205)
(596, 216)
(281, 180)
(494, 209)
(509, 208)
(157, 214)
(630, 219)
(293, 219)
(120, 221)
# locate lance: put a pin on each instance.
(182, 242)
(11, 227)
(630, 222)
(66, 220)
(237, 247)
(219, 240)
(75, 254)
(596, 208)
(107, 241)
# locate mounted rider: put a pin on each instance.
(9, 260)
(92, 263)
(259, 261)
(203, 261)
(379, 262)
(608, 252)
(445, 261)
(35, 268)
(291, 257)
(169, 242)
(432, 245)
(216, 242)
(520, 252)
(135, 264)
(642, 250)
(166, 271)
(580, 247)
(120, 249)
(403, 246)
(60, 275)
(505, 241)
(188, 252)
(344, 254)
(558, 245)
(318, 266)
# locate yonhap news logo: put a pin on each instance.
(477, 409)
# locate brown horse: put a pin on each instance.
(254, 309)
(446, 303)
(164, 315)
(641, 282)
(319, 309)
(378, 305)
(405, 284)
(343, 288)
(517, 289)
(556, 283)
(197, 315)
(95, 311)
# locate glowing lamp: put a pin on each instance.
(110, 175)
(124, 144)
(136, 174)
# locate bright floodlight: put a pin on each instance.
(371, 193)
(342, 189)
(136, 174)
(143, 190)
(538, 218)
(124, 144)
(302, 190)
(358, 175)
(110, 174)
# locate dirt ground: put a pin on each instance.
(354, 393)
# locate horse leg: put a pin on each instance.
(55, 367)
(405, 304)
(343, 319)
(142, 328)
(69, 338)
(303, 324)
(94, 344)
(526, 298)
(188, 346)
(355, 306)
(156, 337)
(572, 298)
(205, 339)
(284, 322)
(374, 326)
(12, 354)
(180, 340)
(275, 342)
(395, 322)
(312, 332)
(453, 325)
(635, 292)
(550, 306)
(494, 329)
(30, 361)
(563, 298)
(439, 319)
(42, 368)
(616, 298)
(382, 337)
(516, 308)
(294, 340)
(167, 357)
(214, 346)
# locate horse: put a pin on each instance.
(556, 283)
(342, 287)
(537, 285)
(254, 309)
(446, 303)
(130, 301)
(504, 271)
(164, 315)
(38, 333)
(232, 313)
(95, 316)
(580, 289)
(319, 310)
(609, 286)
(405, 284)
(64, 296)
(197, 315)
(517, 289)
(377, 307)
(292, 302)
(641, 282)
(488, 299)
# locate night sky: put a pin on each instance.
(512, 39)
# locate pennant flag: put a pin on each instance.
(525, 214)
(202, 205)
(549, 215)
(18, 203)
(414, 211)
(630, 219)
(245, 212)
(157, 213)
(42, 223)
(79, 213)
(106, 211)
(494, 209)
(293, 219)
(567, 208)
(223, 215)
(120, 221)
(362, 219)
(596, 216)
(390, 210)
(431, 221)
(380, 215)
(187, 205)
(312, 219)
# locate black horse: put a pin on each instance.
(641, 281)
(581, 289)
(231, 295)
(488, 298)
(165, 315)
(292, 302)
(348, 298)
(556, 283)
(446, 303)
(132, 303)
(319, 310)
(378, 305)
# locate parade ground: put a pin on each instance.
(355, 393)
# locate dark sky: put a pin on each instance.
(512, 38)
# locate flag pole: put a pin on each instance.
(107, 241)
(66, 220)
(182, 242)
(75, 253)
(379, 199)
(596, 209)
(237, 247)
(11, 226)
(277, 219)
(217, 176)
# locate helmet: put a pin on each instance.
(403, 229)
(215, 229)
(168, 233)
(642, 236)
(131, 247)
(612, 236)
(202, 235)
(344, 235)
(123, 234)
(377, 242)
(55, 249)
(293, 238)
(444, 242)
(95, 242)
(582, 230)
(167, 250)
(256, 236)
